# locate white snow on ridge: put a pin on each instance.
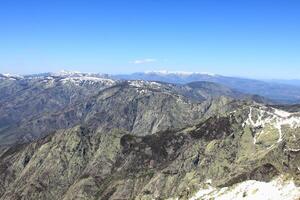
(10, 76)
(277, 118)
(67, 73)
(87, 79)
(142, 87)
(142, 83)
(79, 78)
(137, 83)
(180, 73)
(282, 113)
(278, 189)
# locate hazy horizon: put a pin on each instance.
(154, 71)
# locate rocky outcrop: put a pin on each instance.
(33, 108)
(250, 143)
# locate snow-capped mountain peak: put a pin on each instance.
(88, 80)
(68, 73)
(10, 76)
(178, 73)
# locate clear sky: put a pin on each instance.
(252, 38)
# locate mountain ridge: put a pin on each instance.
(223, 151)
(276, 91)
(34, 107)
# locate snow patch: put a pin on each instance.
(10, 76)
(277, 119)
(282, 113)
(87, 80)
(142, 84)
(291, 149)
(179, 73)
(137, 84)
(278, 189)
(68, 73)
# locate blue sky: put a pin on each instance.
(257, 38)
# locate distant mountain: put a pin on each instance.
(288, 82)
(278, 92)
(36, 105)
(208, 90)
(10, 76)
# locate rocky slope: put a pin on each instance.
(86, 136)
(232, 151)
(25, 101)
(32, 107)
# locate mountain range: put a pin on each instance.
(280, 91)
(152, 135)
(276, 90)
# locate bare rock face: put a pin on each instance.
(31, 108)
(248, 145)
